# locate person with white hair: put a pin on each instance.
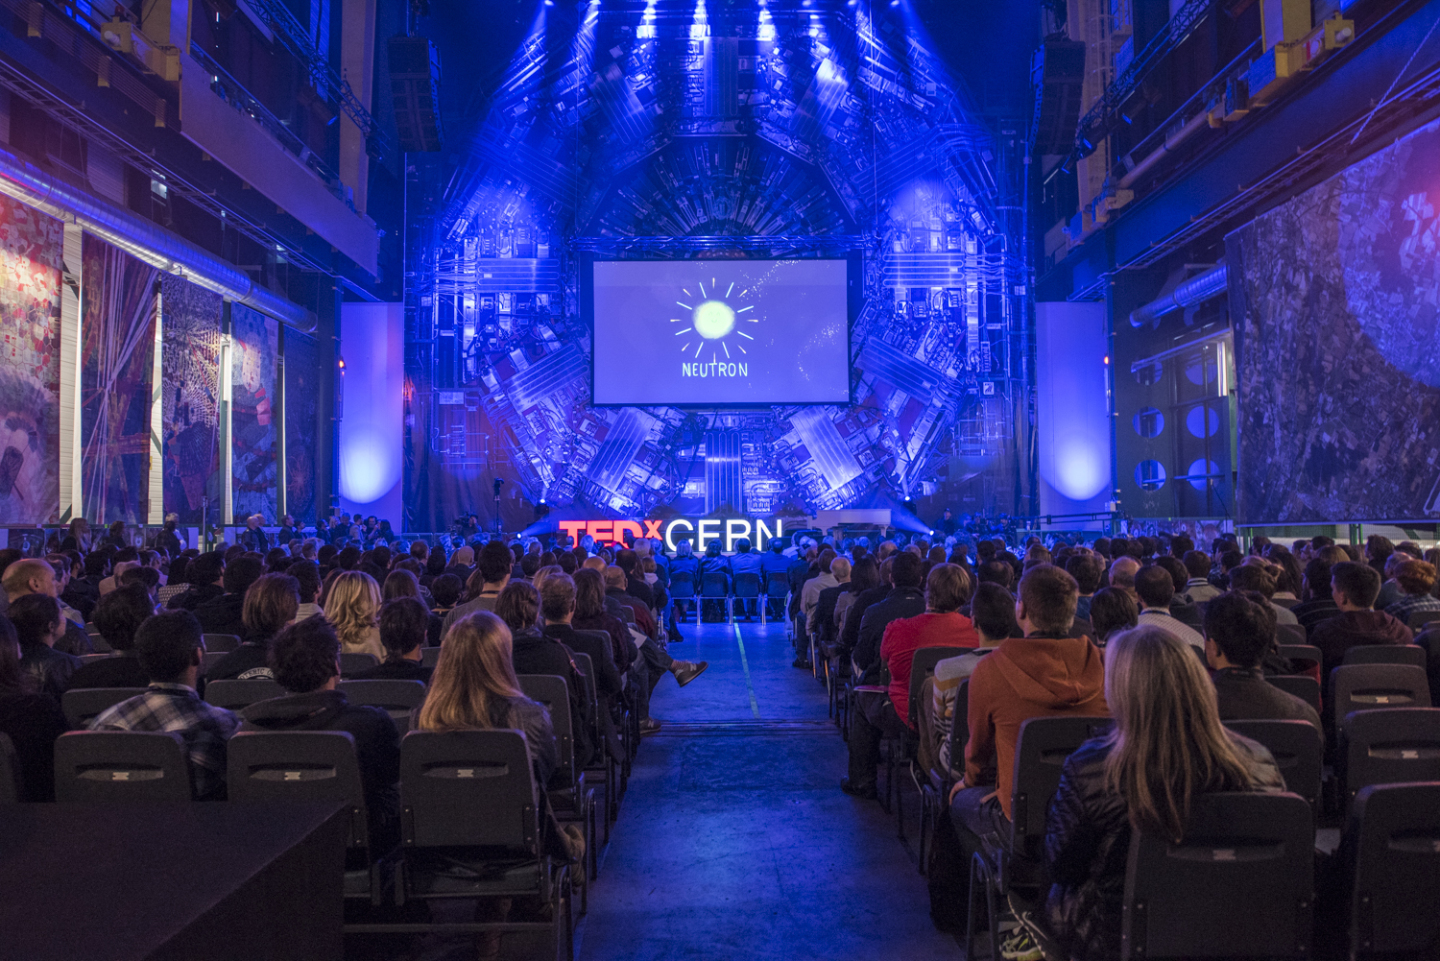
(253, 537)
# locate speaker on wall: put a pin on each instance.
(415, 91)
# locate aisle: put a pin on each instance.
(735, 841)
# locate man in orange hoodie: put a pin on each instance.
(1042, 674)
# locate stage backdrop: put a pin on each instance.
(118, 332)
(190, 394)
(30, 265)
(302, 398)
(252, 424)
(1338, 345)
(1072, 415)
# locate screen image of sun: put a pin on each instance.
(690, 333)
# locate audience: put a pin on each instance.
(169, 646)
(1087, 569)
(591, 615)
(38, 626)
(1260, 579)
(1155, 590)
(226, 614)
(445, 592)
(992, 611)
(353, 606)
(31, 577)
(1316, 604)
(118, 616)
(492, 573)
(548, 652)
(307, 583)
(31, 719)
(1112, 610)
(207, 575)
(269, 607)
(905, 599)
(1354, 587)
(1240, 631)
(1417, 585)
(403, 626)
(1167, 745)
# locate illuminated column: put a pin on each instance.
(227, 451)
(156, 512)
(72, 496)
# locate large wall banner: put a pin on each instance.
(253, 384)
(190, 400)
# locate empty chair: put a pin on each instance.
(1302, 656)
(1360, 687)
(1303, 686)
(121, 766)
(1240, 884)
(1386, 654)
(1390, 746)
(471, 829)
(223, 643)
(1297, 748)
(1394, 836)
(83, 705)
(1290, 634)
(430, 656)
(12, 789)
(397, 698)
(1418, 620)
(309, 766)
(355, 663)
(236, 694)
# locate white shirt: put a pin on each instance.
(810, 595)
(1166, 622)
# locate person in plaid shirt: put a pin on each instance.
(169, 647)
(1416, 580)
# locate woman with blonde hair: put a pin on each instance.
(1166, 747)
(550, 570)
(353, 606)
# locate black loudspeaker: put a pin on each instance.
(1059, 72)
(415, 89)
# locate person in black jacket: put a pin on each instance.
(403, 623)
(38, 625)
(866, 570)
(268, 606)
(305, 659)
(206, 574)
(535, 648)
(1155, 687)
(906, 599)
(225, 614)
(1240, 629)
(31, 719)
(118, 616)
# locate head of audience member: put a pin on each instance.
(307, 579)
(557, 598)
(1197, 565)
(1317, 576)
(589, 595)
(207, 570)
(1154, 587)
(1378, 549)
(1087, 569)
(628, 561)
(170, 646)
(1111, 610)
(241, 573)
(1167, 744)
(518, 606)
(594, 563)
(14, 679)
(400, 583)
(996, 572)
(446, 590)
(270, 603)
(1416, 577)
(1239, 629)
(1046, 605)
(29, 575)
(179, 570)
(404, 623)
(1122, 574)
(907, 570)
(474, 680)
(864, 574)
(305, 657)
(1181, 544)
(1179, 576)
(120, 613)
(97, 565)
(947, 589)
(38, 620)
(1354, 586)
(614, 578)
(146, 577)
(1257, 578)
(464, 556)
(993, 612)
(840, 569)
(353, 605)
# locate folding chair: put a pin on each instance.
(235, 695)
(398, 698)
(311, 766)
(92, 658)
(712, 588)
(351, 664)
(1040, 753)
(1246, 858)
(1298, 749)
(777, 590)
(936, 790)
(429, 656)
(1395, 839)
(12, 786)
(682, 592)
(470, 829)
(1303, 686)
(1419, 620)
(605, 771)
(1302, 656)
(209, 659)
(1290, 635)
(220, 643)
(1386, 654)
(121, 766)
(1360, 687)
(901, 748)
(571, 798)
(84, 704)
(1390, 746)
(747, 588)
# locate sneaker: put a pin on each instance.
(1019, 946)
(649, 726)
(687, 671)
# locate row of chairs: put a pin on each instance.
(748, 588)
(397, 697)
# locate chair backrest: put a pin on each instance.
(355, 663)
(587, 677)
(223, 643)
(747, 584)
(84, 704)
(1298, 749)
(1397, 868)
(1301, 655)
(398, 698)
(468, 789)
(121, 766)
(1360, 687)
(209, 659)
(430, 656)
(299, 766)
(1290, 634)
(92, 658)
(922, 665)
(1040, 752)
(1247, 859)
(1390, 746)
(1418, 619)
(712, 585)
(233, 694)
(627, 613)
(682, 585)
(554, 694)
(1386, 654)
(777, 585)
(1303, 686)
(12, 787)
(960, 726)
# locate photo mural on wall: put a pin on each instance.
(118, 334)
(302, 397)
(252, 422)
(31, 247)
(190, 400)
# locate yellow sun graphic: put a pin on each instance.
(713, 319)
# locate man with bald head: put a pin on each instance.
(1122, 575)
(32, 575)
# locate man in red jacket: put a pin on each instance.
(877, 713)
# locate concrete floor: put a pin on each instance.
(735, 841)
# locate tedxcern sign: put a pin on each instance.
(702, 530)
